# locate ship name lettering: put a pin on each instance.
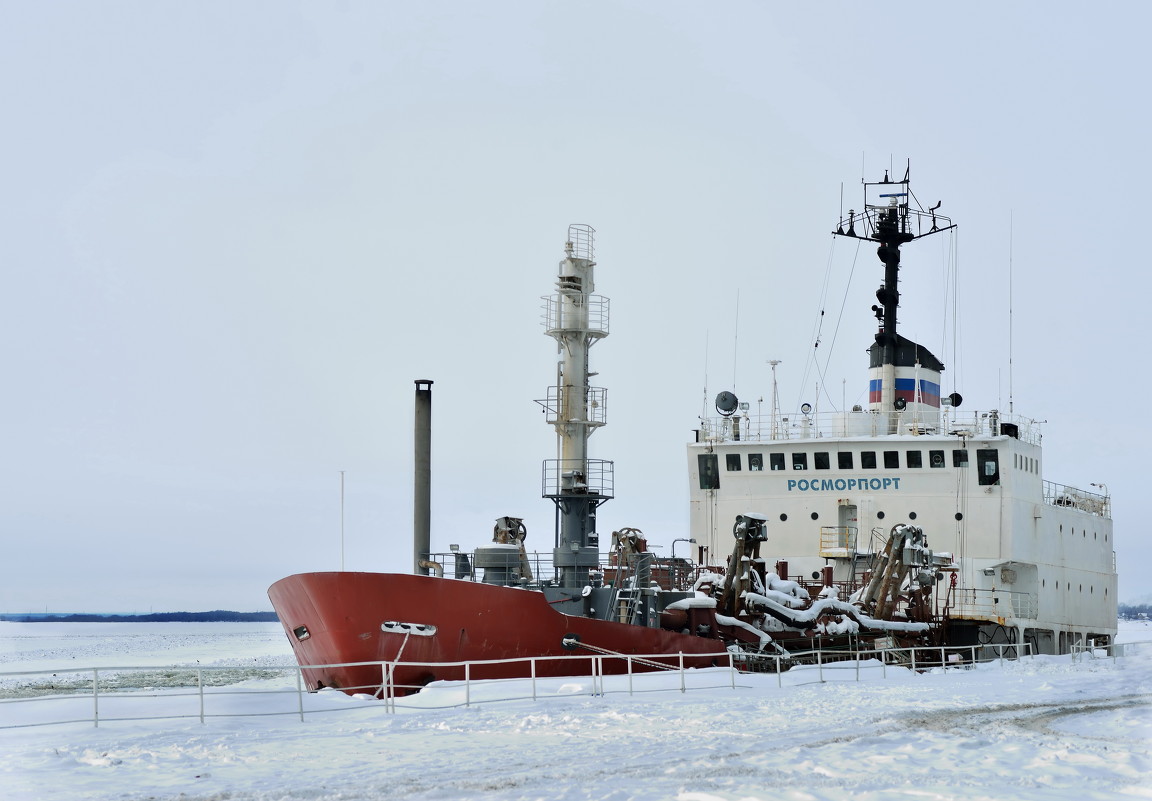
(842, 484)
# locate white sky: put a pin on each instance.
(233, 234)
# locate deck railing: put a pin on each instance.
(122, 694)
(1093, 503)
(761, 427)
(991, 604)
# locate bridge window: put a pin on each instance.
(891, 460)
(755, 462)
(732, 462)
(868, 460)
(988, 464)
(775, 461)
(960, 458)
(799, 461)
(820, 460)
(914, 458)
(844, 460)
(936, 458)
(709, 471)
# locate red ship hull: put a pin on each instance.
(418, 621)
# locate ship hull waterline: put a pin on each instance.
(415, 623)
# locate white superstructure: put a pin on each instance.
(1021, 559)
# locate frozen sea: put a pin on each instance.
(1043, 728)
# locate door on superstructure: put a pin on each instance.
(849, 524)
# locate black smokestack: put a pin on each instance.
(422, 497)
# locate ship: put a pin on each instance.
(898, 524)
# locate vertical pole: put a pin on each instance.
(682, 688)
(422, 495)
(200, 684)
(533, 663)
(467, 684)
(392, 687)
(629, 658)
(341, 521)
(300, 692)
(95, 697)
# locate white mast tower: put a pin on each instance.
(576, 319)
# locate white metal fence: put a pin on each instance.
(104, 695)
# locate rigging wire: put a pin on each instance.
(814, 363)
(810, 363)
(1010, 232)
(957, 325)
(736, 341)
(704, 406)
(945, 282)
(836, 330)
(949, 270)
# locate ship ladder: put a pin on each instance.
(626, 604)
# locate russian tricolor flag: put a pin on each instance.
(906, 389)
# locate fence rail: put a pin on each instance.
(121, 694)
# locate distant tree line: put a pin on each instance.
(1134, 612)
(215, 616)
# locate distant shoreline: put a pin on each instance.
(215, 616)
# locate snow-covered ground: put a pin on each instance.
(1046, 728)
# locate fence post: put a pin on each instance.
(913, 650)
(857, 662)
(682, 687)
(732, 668)
(95, 697)
(200, 684)
(300, 692)
(779, 674)
(532, 662)
(820, 664)
(388, 685)
(629, 660)
(467, 684)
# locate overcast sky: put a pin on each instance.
(233, 234)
